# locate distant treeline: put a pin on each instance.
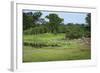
(34, 24)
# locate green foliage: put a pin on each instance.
(61, 28)
(36, 30)
(54, 22)
(74, 32)
(88, 21)
(36, 17)
(30, 19)
(27, 21)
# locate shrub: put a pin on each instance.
(74, 32)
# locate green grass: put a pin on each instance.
(66, 49)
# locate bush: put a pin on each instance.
(36, 30)
(28, 31)
(74, 32)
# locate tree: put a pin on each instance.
(31, 19)
(36, 17)
(54, 22)
(88, 21)
(27, 20)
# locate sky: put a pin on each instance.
(69, 17)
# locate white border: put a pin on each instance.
(17, 38)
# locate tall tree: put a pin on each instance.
(54, 22)
(30, 19)
(27, 20)
(88, 21)
(36, 17)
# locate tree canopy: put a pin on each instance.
(54, 22)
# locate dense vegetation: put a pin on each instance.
(49, 39)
